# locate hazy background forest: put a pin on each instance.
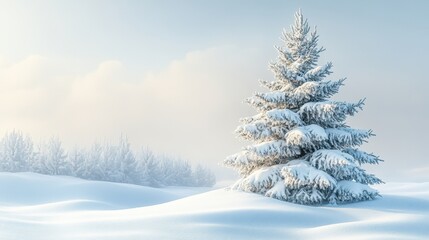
(106, 162)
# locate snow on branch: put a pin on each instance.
(330, 159)
(255, 130)
(306, 137)
(349, 191)
(328, 113)
(260, 180)
(293, 98)
(284, 116)
(261, 104)
(345, 137)
(362, 157)
(269, 126)
(315, 91)
(276, 85)
(274, 97)
(340, 165)
(290, 74)
(318, 73)
(252, 118)
(299, 174)
(277, 149)
(240, 162)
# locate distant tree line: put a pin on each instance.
(104, 162)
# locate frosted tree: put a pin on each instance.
(76, 162)
(184, 173)
(55, 160)
(107, 162)
(16, 152)
(106, 167)
(149, 168)
(125, 162)
(93, 164)
(203, 177)
(37, 164)
(303, 151)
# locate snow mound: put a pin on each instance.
(402, 213)
(28, 189)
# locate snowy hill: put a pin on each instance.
(32, 189)
(35, 206)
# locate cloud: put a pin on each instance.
(20, 82)
(190, 108)
(193, 106)
(29, 92)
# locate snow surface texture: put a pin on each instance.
(37, 207)
(303, 151)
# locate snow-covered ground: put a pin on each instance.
(34, 206)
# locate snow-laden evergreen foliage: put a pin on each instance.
(107, 162)
(303, 151)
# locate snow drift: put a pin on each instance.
(34, 206)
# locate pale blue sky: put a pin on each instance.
(187, 51)
(154, 32)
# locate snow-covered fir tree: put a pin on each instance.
(303, 151)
